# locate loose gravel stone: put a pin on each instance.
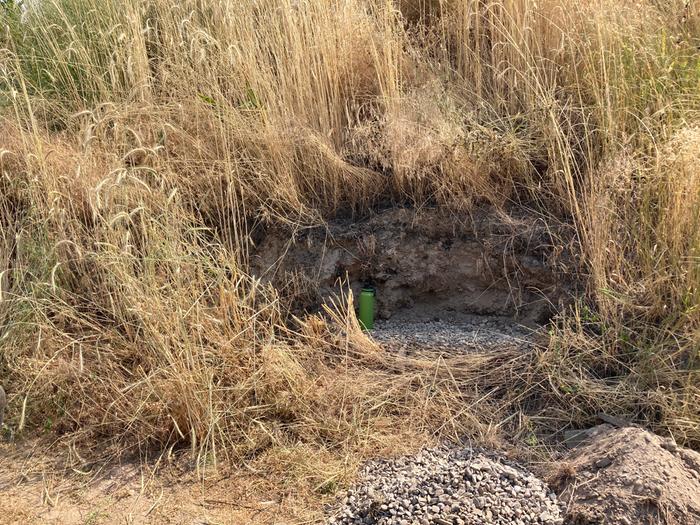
(447, 486)
(451, 334)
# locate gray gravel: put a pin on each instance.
(446, 486)
(458, 334)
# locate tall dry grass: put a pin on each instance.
(142, 141)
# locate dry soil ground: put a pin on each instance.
(621, 476)
(33, 491)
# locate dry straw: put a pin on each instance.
(142, 141)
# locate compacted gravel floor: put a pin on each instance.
(451, 334)
(446, 486)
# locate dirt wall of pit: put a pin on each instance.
(428, 261)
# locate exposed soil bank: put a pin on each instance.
(427, 261)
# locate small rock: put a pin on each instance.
(603, 462)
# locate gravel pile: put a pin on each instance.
(444, 486)
(463, 334)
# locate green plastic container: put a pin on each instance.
(367, 300)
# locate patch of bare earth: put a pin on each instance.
(629, 476)
(34, 491)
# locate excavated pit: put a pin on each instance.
(427, 266)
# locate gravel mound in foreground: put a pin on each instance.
(444, 486)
